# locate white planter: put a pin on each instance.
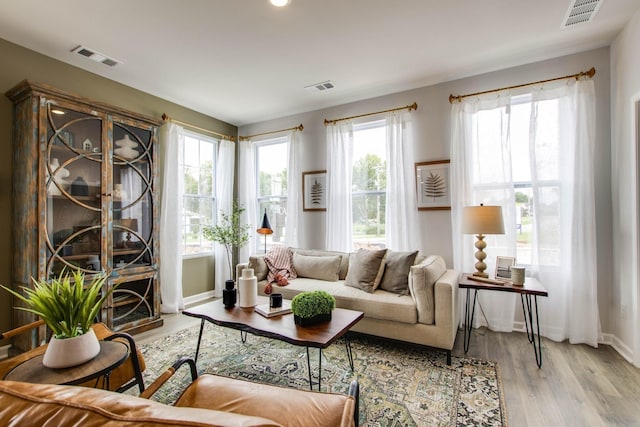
(248, 288)
(68, 352)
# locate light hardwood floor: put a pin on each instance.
(577, 385)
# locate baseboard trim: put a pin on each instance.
(197, 298)
(4, 351)
(618, 345)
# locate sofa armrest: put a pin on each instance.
(422, 279)
(241, 266)
(446, 296)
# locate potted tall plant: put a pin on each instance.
(68, 308)
(229, 232)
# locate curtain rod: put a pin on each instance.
(590, 74)
(245, 138)
(413, 106)
(166, 118)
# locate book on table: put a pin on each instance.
(267, 311)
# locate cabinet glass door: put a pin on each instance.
(74, 182)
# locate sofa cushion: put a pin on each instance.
(260, 268)
(365, 269)
(423, 279)
(317, 267)
(396, 271)
(344, 258)
(380, 304)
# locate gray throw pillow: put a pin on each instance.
(365, 269)
(317, 267)
(396, 272)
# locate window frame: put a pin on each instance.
(213, 220)
(359, 127)
(259, 239)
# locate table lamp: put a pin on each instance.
(265, 229)
(481, 220)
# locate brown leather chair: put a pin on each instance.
(127, 375)
(286, 406)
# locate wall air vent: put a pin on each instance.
(95, 56)
(580, 12)
(320, 87)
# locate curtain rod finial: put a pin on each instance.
(165, 117)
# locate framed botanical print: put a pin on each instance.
(314, 191)
(433, 189)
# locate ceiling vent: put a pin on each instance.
(580, 12)
(95, 56)
(320, 87)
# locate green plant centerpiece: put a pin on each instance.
(68, 307)
(313, 307)
(229, 232)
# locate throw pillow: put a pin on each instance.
(396, 272)
(260, 268)
(279, 260)
(317, 267)
(366, 269)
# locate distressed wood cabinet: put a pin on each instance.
(85, 197)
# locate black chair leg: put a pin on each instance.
(354, 390)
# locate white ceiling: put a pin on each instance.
(244, 61)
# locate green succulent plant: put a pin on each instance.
(310, 304)
(67, 306)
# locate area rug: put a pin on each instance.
(400, 384)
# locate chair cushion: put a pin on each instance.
(317, 267)
(396, 271)
(23, 404)
(286, 406)
(366, 269)
(344, 258)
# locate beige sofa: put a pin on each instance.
(427, 315)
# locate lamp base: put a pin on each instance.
(480, 274)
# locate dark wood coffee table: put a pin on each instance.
(282, 328)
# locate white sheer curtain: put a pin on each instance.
(294, 190)
(224, 196)
(401, 210)
(563, 200)
(339, 171)
(247, 192)
(481, 173)
(171, 139)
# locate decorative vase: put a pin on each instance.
(308, 321)
(229, 294)
(68, 352)
(127, 148)
(248, 288)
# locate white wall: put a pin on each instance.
(431, 128)
(625, 91)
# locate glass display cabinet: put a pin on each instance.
(84, 198)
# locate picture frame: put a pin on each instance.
(433, 187)
(503, 267)
(314, 191)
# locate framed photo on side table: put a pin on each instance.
(314, 191)
(503, 267)
(433, 189)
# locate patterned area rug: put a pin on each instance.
(400, 385)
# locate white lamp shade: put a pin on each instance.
(482, 220)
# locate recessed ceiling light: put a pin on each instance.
(279, 3)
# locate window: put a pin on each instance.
(534, 173)
(272, 159)
(369, 183)
(199, 203)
